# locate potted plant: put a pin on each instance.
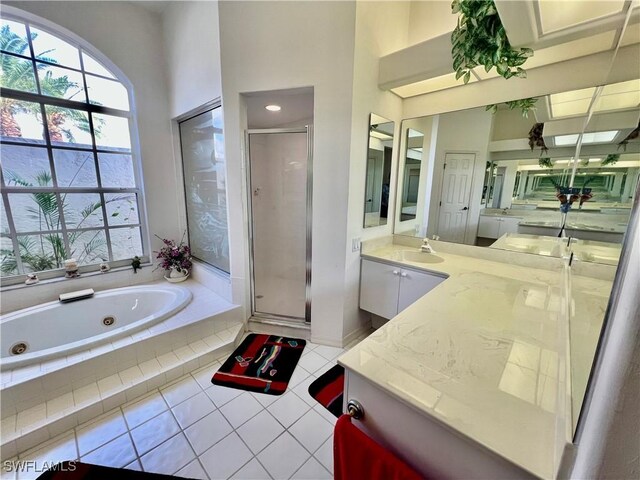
(175, 259)
(480, 39)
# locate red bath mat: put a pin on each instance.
(261, 363)
(328, 389)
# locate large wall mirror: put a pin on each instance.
(379, 159)
(471, 177)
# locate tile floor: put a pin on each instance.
(191, 428)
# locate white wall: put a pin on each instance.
(276, 45)
(429, 20)
(461, 132)
(380, 28)
(192, 47)
(131, 38)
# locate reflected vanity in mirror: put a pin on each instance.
(570, 196)
(478, 182)
(379, 159)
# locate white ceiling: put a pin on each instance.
(297, 108)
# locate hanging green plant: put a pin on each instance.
(480, 39)
(545, 162)
(524, 104)
(611, 159)
(536, 139)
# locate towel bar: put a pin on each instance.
(355, 410)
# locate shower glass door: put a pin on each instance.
(280, 234)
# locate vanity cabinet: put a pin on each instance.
(387, 289)
(495, 227)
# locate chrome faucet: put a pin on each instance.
(426, 248)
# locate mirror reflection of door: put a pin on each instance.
(454, 200)
(378, 175)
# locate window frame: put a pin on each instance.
(207, 107)
(29, 20)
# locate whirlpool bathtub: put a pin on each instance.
(55, 329)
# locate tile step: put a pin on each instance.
(49, 419)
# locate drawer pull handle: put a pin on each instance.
(355, 410)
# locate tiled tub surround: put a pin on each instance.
(486, 353)
(191, 428)
(40, 401)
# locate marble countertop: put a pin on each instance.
(485, 353)
(576, 220)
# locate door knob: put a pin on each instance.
(465, 208)
(395, 272)
(403, 274)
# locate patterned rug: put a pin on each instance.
(328, 390)
(261, 363)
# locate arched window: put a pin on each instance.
(70, 181)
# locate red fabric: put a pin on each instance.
(357, 457)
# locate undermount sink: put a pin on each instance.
(417, 257)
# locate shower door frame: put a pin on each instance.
(308, 130)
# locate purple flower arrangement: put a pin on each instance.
(173, 255)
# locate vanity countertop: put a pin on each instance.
(484, 353)
(577, 219)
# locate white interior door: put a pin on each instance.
(454, 200)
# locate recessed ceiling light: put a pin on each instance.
(273, 108)
(587, 138)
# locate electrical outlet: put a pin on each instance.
(355, 244)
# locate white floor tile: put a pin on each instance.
(240, 409)
(288, 408)
(193, 409)
(225, 457)
(326, 414)
(117, 453)
(302, 390)
(283, 457)
(180, 391)
(325, 454)
(312, 470)
(102, 430)
(56, 450)
(265, 399)
(207, 431)
(168, 457)
(153, 432)
(221, 395)
(330, 353)
(311, 430)
(193, 470)
(140, 411)
(299, 374)
(312, 362)
(260, 431)
(203, 375)
(252, 471)
(135, 465)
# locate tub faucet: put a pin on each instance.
(426, 248)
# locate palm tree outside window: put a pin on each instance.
(69, 174)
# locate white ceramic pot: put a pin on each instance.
(176, 275)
